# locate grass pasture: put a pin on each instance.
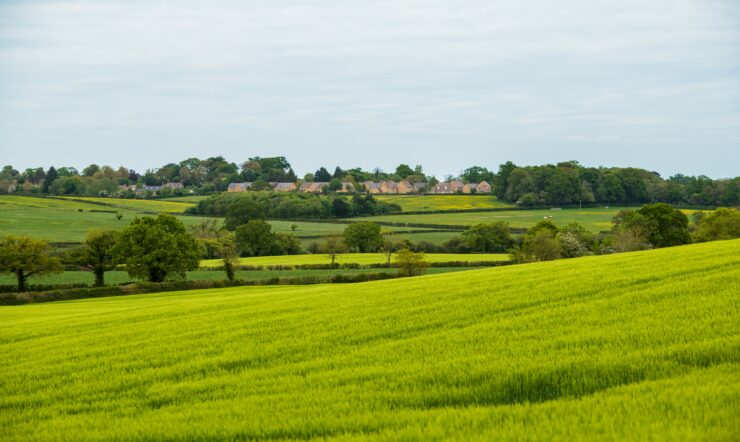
(356, 258)
(158, 206)
(61, 220)
(638, 346)
(191, 199)
(594, 219)
(427, 203)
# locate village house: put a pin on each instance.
(313, 187)
(388, 187)
(405, 187)
(284, 187)
(371, 187)
(453, 186)
(484, 187)
(239, 187)
(173, 186)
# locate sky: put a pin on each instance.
(373, 83)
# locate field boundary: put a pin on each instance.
(69, 294)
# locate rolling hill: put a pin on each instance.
(634, 346)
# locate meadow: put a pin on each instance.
(357, 258)
(594, 219)
(639, 346)
(60, 220)
(427, 203)
(159, 206)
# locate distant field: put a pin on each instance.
(59, 220)
(160, 206)
(636, 346)
(595, 219)
(356, 258)
(13, 202)
(305, 228)
(432, 237)
(119, 277)
(419, 203)
(192, 199)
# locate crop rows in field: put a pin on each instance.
(633, 346)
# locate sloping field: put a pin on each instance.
(159, 206)
(425, 203)
(13, 202)
(68, 220)
(635, 346)
(355, 258)
(62, 220)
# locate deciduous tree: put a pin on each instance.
(154, 248)
(364, 236)
(410, 263)
(97, 253)
(26, 257)
(489, 238)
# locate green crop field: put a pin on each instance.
(423, 203)
(159, 206)
(595, 219)
(120, 277)
(637, 346)
(356, 258)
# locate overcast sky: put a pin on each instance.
(372, 83)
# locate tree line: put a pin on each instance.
(565, 183)
(238, 208)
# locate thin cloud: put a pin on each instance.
(373, 83)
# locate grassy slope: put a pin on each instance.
(634, 346)
(418, 203)
(359, 258)
(162, 206)
(60, 220)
